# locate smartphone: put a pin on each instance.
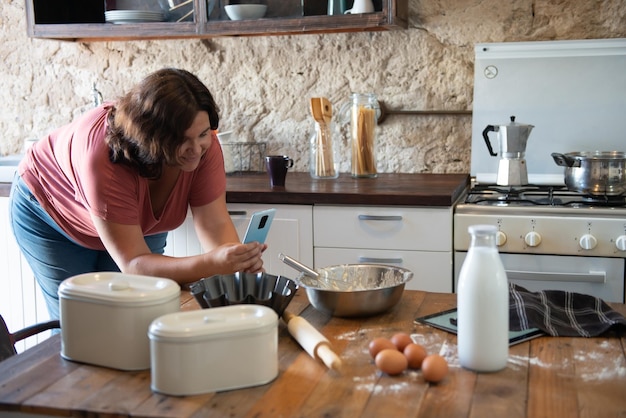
(259, 226)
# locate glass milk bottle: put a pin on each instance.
(483, 304)
(364, 119)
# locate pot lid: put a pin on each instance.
(213, 322)
(120, 288)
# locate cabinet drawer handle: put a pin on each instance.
(380, 260)
(237, 212)
(380, 218)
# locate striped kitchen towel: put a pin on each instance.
(560, 313)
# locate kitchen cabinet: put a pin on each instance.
(419, 239)
(83, 21)
(291, 233)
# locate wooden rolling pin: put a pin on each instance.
(312, 340)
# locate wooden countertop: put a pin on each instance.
(545, 377)
(386, 189)
(300, 188)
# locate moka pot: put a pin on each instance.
(512, 138)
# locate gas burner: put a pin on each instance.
(516, 189)
(514, 195)
(537, 195)
(606, 201)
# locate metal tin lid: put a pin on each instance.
(119, 288)
(209, 323)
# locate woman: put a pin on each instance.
(101, 193)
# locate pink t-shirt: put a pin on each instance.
(70, 174)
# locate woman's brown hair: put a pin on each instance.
(146, 126)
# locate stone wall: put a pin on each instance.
(263, 84)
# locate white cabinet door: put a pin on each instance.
(21, 300)
(291, 233)
(431, 270)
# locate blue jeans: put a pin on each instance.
(52, 255)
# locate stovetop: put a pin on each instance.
(540, 219)
(539, 195)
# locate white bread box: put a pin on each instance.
(212, 350)
(105, 317)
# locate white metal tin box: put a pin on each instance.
(213, 350)
(105, 317)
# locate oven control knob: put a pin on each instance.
(532, 239)
(501, 238)
(620, 243)
(588, 242)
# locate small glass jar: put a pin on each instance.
(323, 163)
(364, 120)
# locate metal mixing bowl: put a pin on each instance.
(356, 290)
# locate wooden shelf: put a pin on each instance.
(393, 16)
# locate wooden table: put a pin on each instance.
(545, 377)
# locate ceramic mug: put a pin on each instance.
(361, 6)
(277, 166)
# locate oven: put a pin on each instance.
(572, 94)
(549, 237)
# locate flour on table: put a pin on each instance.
(616, 368)
(348, 336)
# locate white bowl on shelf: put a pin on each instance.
(245, 11)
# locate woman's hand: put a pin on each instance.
(233, 257)
(225, 254)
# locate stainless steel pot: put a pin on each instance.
(594, 173)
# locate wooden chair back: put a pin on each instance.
(8, 339)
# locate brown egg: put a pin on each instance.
(391, 361)
(379, 344)
(415, 355)
(434, 368)
(401, 340)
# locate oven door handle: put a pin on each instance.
(591, 277)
